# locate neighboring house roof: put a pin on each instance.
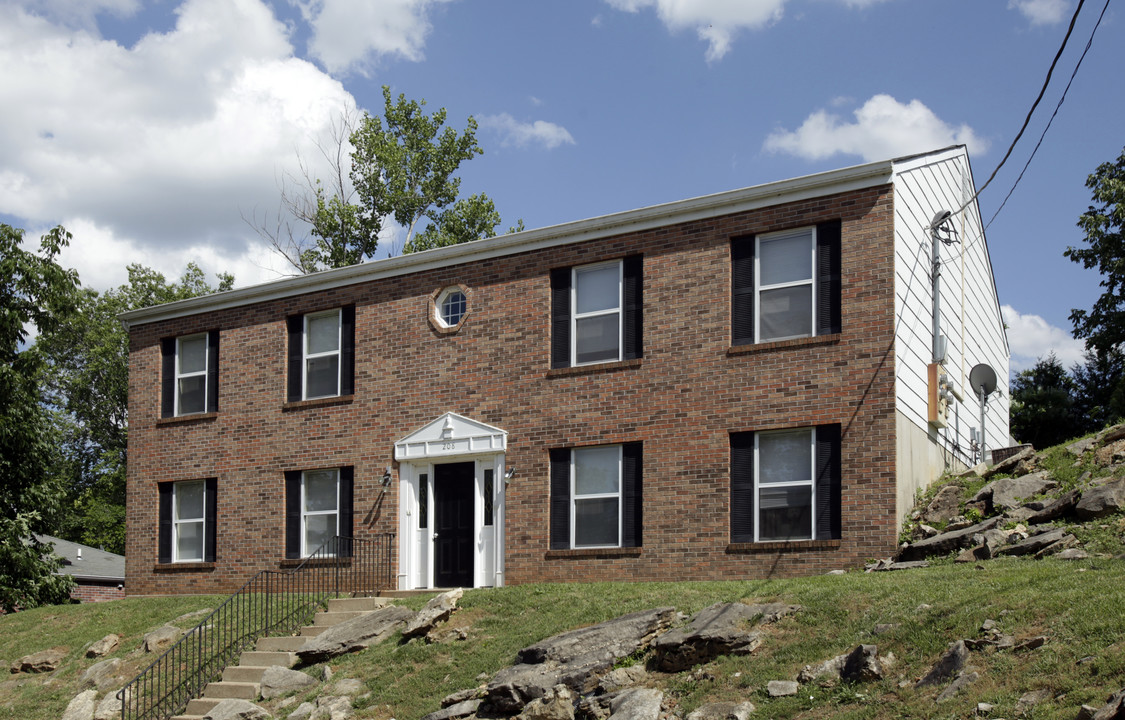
(83, 562)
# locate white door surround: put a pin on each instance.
(450, 438)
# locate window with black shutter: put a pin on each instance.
(597, 313)
(597, 496)
(321, 354)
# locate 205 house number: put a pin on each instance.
(448, 446)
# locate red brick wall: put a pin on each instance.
(90, 592)
(682, 400)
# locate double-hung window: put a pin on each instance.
(322, 354)
(786, 284)
(187, 521)
(785, 485)
(596, 313)
(191, 374)
(318, 508)
(596, 496)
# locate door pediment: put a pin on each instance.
(451, 434)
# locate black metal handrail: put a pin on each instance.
(271, 602)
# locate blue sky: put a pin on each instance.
(154, 130)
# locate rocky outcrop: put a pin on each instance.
(355, 634)
(232, 709)
(437, 610)
(278, 680)
(723, 711)
(951, 663)
(161, 638)
(721, 629)
(40, 662)
(104, 646)
(1009, 493)
(946, 542)
(102, 675)
(1101, 501)
(82, 706)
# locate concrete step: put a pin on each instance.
(200, 706)
(289, 643)
(330, 618)
(312, 630)
(261, 658)
(243, 674)
(243, 690)
(356, 603)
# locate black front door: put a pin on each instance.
(453, 532)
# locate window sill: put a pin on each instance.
(187, 419)
(783, 546)
(594, 369)
(833, 339)
(593, 553)
(318, 402)
(184, 567)
(318, 562)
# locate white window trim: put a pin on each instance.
(182, 375)
(306, 355)
(575, 316)
(305, 514)
(439, 306)
(810, 232)
(811, 483)
(177, 521)
(574, 497)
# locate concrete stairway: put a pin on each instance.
(243, 680)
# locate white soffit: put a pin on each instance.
(451, 434)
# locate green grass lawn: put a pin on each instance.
(1079, 606)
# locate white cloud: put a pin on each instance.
(349, 35)
(1031, 338)
(715, 21)
(520, 134)
(164, 145)
(883, 128)
(80, 13)
(1041, 12)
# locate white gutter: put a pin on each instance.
(707, 206)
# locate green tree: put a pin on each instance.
(35, 292)
(402, 168)
(1103, 326)
(1042, 404)
(89, 385)
(1099, 390)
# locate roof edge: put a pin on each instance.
(731, 201)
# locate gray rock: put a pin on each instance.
(104, 646)
(945, 506)
(828, 671)
(161, 638)
(622, 678)
(1007, 465)
(82, 706)
(102, 675)
(963, 680)
(1114, 709)
(1031, 643)
(1101, 501)
(437, 610)
(781, 688)
(638, 704)
(1030, 699)
(862, 665)
(304, 711)
(460, 696)
(723, 711)
(349, 686)
(1079, 447)
(465, 708)
(721, 629)
(890, 565)
(1009, 493)
(1086, 712)
(557, 704)
(234, 709)
(1034, 544)
(950, 664)
(278, 680)
(40, 662)
(332, 707)
(946, 542)
(1073, 554)
(882, 628)
(574, 658)
(355, 634)
(1058, 508)
(109, 708)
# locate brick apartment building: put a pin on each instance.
(731, 386)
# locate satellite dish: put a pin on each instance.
(983, 377)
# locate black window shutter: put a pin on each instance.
(828, 495)
(210, 486)
(168, 379)
(347, 350)
(213, 371)
(164, 534)
(742, 487)
(296, 356)
(633, 272)
(347, 476)
(633, 495)
(560, 498)
(742, 291)
(560, 317)
(293, 514)
(828, 277)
